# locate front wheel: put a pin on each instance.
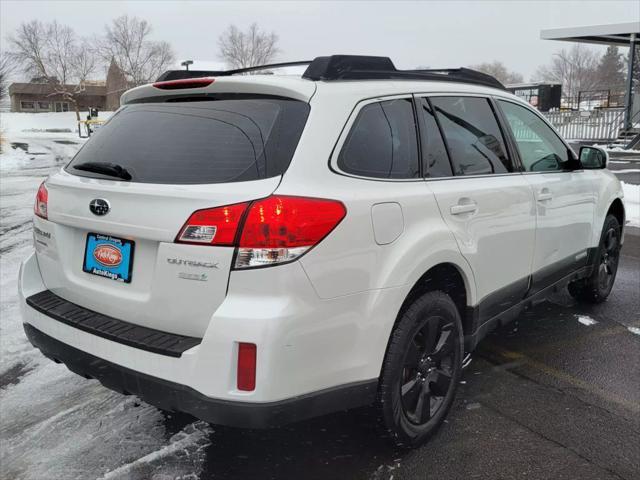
(421, 369)
(597, 287)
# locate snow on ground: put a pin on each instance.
(632, 203)
(53, 423)
(586, 320)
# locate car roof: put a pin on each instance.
(298, 88)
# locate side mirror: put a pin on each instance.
(593, 158)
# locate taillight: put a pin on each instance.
(213, 226)
(276, 229)
(280, 228)
(246, 376)
(42, 200)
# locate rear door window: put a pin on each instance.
(473, 136)
(199, 142)
(382, 142)
(435, 160)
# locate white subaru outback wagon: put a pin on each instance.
(260, 249)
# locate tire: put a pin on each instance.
(597, 287)
(423, 362)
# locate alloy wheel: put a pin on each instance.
(427, 370)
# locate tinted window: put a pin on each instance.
(540, 148)
(382, 142)
(199, 142)
(473, 136)
(434, 154)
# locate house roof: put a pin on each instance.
(47, 89)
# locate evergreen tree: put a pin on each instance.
(611, 70)
(636, 69)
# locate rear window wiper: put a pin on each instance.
(104, 168)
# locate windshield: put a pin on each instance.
(195, 142)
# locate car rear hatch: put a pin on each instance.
(114, 213)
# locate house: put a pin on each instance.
(42, 97)
(39, 95)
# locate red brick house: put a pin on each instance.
(40, 95)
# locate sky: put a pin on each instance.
(437, 34)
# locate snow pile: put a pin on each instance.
(53, 423)
(632, 203)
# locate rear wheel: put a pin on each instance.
(597, 287)
(421, 369)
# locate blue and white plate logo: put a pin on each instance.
(108, 257)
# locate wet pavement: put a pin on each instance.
(553, 395)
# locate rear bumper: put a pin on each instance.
(176, 397)
(314, 356)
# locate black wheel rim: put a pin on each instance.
(609, 252)
(428, 370)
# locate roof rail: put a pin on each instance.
(182, 74)
(360, 67)
(350, 67)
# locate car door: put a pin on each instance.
(565, 197)
(484, 200)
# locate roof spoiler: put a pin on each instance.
(352, 67)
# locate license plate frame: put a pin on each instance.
(108, 257)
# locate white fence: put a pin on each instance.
(596, 124)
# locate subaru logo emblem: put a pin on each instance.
(99, 206)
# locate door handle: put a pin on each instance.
(459, 209)
(544, 195)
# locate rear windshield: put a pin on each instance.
(195, 142)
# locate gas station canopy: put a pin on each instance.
(620, 34)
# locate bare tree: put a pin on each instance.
(127, 42)
(498, 70)
(7, 66)
(247, 49)
(576, 69)
(54, 52)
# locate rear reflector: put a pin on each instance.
(277, 229)
(42, 202)
(184, 83)
(213, 226)
(246, 379)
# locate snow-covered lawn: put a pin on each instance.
(54, 424)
